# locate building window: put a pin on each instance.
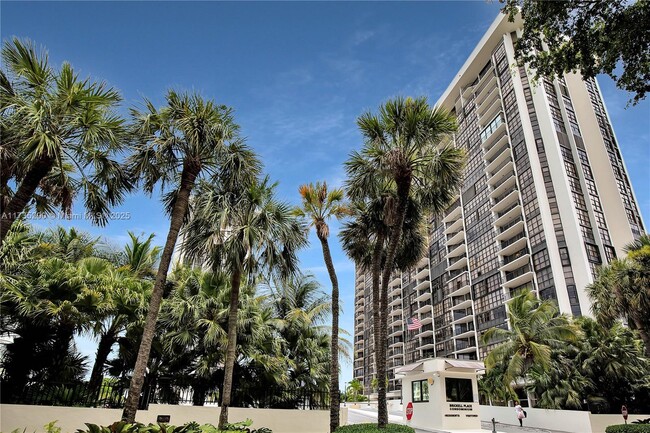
(420, 391)
(459, 390)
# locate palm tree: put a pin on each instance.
(60, 136)
(126, 291)
(177, 144)
(300, 308)
(628, 280)
(355, 389)
(319, 205)
(536, 328)
(242, 229)
(403, 146)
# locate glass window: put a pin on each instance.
(420, 391)
(459, 390)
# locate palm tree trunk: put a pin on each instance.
(106, 342)
(643, 333)
(335, 402)
(403, 189)
(188, 177)
(231, 350)
(376, 298)
(23, 195)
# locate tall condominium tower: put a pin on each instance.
(545, 200)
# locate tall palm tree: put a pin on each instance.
(177, 145)
(60, 136)
(628, 280)
(243, 229)
(403, 146)
(536, 328)
(318, 206)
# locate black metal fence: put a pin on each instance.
(113, 395)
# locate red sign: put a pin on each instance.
(409, 411)
(624, 412)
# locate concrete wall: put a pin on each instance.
(573, 421)
(33, 418)
(600, 422)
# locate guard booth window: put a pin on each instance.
(420, 391)
(459, 390)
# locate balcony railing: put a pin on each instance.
(512, 240)
(514, 256)
(460, 299)
(508, 209)
(465, 327)
(517, 273)
(510, 224)
(459, 280)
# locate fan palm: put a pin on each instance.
(177, 144)
(628, 280)
(244, 230)
(536, 328)
(59, 137)
(318, 206)
(403, 146)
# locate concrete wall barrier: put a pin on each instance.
(33, 418)
(573, 421)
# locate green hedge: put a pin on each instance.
(191, 427)
(628, 428)
(372, 428)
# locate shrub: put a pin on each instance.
(372, 428)
(628, 428)
(191, 427)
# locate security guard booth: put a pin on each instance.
(441, 394)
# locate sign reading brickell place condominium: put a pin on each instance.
(460, 406)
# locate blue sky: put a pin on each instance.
(297, 74)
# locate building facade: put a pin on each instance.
(546, 199)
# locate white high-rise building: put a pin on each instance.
(546, 199)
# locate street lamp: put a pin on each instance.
(345, 390)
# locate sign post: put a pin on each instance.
(624, 413)
(409, 411)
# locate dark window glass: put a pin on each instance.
(459, 390)
(420, 391)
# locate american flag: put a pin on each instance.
(412, 324)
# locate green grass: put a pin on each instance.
(372, 428)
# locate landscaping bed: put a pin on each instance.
(372, 428)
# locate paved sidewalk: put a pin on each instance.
(365, 415)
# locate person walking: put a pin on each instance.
(519, 412)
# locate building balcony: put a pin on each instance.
(490, 106)
(359, 308)
(454, 226)
(504, 201)
(395, 300)
(507, 184)
(426, 317)
(395, 331)
(512, 245)
(496, 147)
(461, 302)
(454, 238)
(498, 176)
(485, 87)
(518, 277)
(464, 330)
(396, 321)
(422, 271)
(462, 316)
(493, 137)
(424, 306)
(501, 154)
(515, 260)
(459, 285)
(457, 263)
(423, 296)
(453, 214)
(508, 214)
(395, 311)
(456, 250)
(423, 283)
(510, 229)
(395, 290)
